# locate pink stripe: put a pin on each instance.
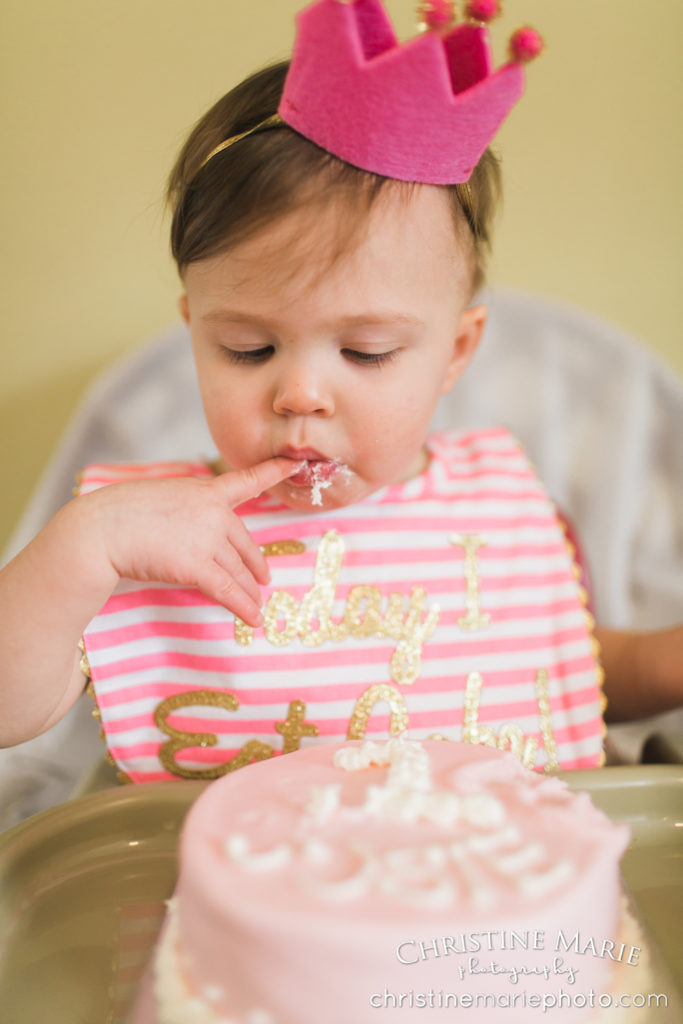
(471, 473)
(145, 691)
(417, 556)
(163, 598)
(503, 582)
(143, 776)
(145, 630)
(526, 611)
(588, 761)
(579, 731)
(506, 645)
(160, 597)
(454, 456)
(226, 665)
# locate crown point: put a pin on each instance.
(482, 10)
(436, 14)
(525, 44)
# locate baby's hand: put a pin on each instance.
(184, 531)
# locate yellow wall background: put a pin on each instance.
(97, 96)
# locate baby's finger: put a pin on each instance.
(241, 484)
(223, 588)
(229, 560)
(249, 551)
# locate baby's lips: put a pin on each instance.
(312, 472)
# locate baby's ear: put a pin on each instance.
(470, 330)
(184, 308)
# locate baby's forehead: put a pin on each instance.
(327, 227)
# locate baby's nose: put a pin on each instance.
(303, 390)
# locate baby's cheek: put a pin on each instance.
(393, 450)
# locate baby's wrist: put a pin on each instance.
(80, 534)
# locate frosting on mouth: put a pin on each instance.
(322, 477)
(321, 480)
(318, 475)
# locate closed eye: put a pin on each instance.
(370, 358)
(250, 355)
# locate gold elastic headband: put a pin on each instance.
(274, 121)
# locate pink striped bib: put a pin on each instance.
(445, 606)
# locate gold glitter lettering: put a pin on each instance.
(543, 702)
(473, 618)
(245, 634)
(363, 622)
(393, 618)
(472, 732)
(363, 708)
(412, 634)
(295, 726)
(509, 735)
(283, 547)
(523, 748)
(311, 620)
(315, 622)
(281, 605)
(254, 750)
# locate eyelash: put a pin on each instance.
(370, 358)
(255, 355)
(260, 355)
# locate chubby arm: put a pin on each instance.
(643, 672)
(179, 531)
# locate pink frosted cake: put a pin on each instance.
(365, 882)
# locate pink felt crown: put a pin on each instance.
(420, 111)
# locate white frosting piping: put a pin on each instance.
(238, 849)
(323, 801)
(473, 869)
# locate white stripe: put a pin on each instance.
(492, 697)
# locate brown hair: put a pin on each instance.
(220, 203)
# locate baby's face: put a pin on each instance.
(338, 364)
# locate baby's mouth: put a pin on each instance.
(316, 472)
